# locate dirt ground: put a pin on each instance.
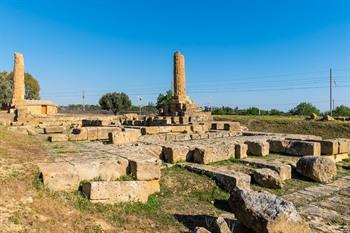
(186, 199)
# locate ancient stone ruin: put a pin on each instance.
(122, 157)
(21, 106)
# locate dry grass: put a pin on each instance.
(291, 124)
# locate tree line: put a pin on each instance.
(302, 109)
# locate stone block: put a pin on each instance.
(53, 129)
(173, 154)
(92, 133)
(283, 170)
(278, 146)
(124, 137)
(145, 169)
(217, 125)
(232, 126)
(241, 151)
(58, 138)
(182, 137)
(78, 134)
(260, 148)
(103, 132)
(150, 130)
(301, 148)
(180, 129)
(343, 146)
(203, 155)
(268, 178)
(120, 191)
(266, 212)
(329, 147)
(318, 168)
(226, 179)
(59, 176)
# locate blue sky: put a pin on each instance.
(270, 54)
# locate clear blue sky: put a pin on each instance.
(270, 54)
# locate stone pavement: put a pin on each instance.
(325, 207)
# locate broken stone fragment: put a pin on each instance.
(264, 212)
(201, 230)
(267, 178)
(317, 168)
(58, 138)
(221, 225)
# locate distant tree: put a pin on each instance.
(275, 112)
(163, 99)
(5, 89)
(342, 110)
(115, 102)
(150, 108)
(252, 111)
(304, 109)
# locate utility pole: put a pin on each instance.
(83, 101)
(330, 92)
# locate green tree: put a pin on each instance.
(5, 89)
(115, 102)
(275, 112)
(164, 100)
(342, 110)
(304, 109)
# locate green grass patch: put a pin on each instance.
(210, 196)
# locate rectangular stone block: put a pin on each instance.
(173, 154)
(227, 180)
(124, 137)
(79, 134)
(58, 138)
(145, 169)
(301, 148)
(232, 126)
(53, 129)
(92, 133)
(260, 148)
(203, 155)
(329, 147)
(217, 125)
(284, 170)
(120, 191)
(343, 145)
(103, 132)
(241, 151)
(278, 146)
(180, 129)
(150, 130)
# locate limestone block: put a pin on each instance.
(59, 176)
(150, 130)
(265, 212)
(92, 133)
(165, 129)
(301, 148)
(175, 120)
(226, 179)
(53, 129)
(203, 155)
(278, 146)
(120, 191)
(232, 126)
(78, 134)
(340, 157)
(182, 137)
(180, 129)
(184, 120)
(221, 225)
(318, 168)
(241, 151)
(105, 169)
(124, 137)
(173, 154)
(343, 145)
(260, 148)
(145, 169)
(217, 125)
(268, 178)
(58, 138)
(195, 136)
(283, 170)
(329, 147)
(198, 128)
(102, 132)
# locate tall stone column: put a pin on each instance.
(179, 77)
(18, 80)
